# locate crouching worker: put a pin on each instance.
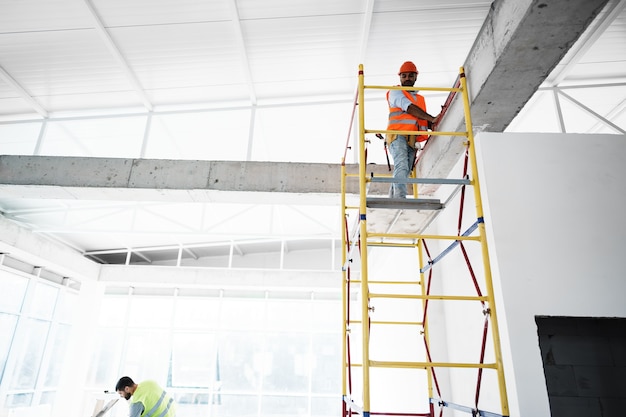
(147, 399)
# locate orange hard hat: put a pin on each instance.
(408, 66)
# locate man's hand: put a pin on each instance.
(415, 111)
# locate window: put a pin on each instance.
(35, 323)
(245, 354)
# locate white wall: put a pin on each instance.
(555, 218)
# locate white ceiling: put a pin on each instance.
(68, 55)
(229, 80)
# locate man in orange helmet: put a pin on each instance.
(407, 111)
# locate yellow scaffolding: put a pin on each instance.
(356, 243)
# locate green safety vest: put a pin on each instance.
(156, 402)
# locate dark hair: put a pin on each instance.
(124, 381)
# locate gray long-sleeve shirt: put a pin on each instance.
(136, 409)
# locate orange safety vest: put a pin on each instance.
(401, 120)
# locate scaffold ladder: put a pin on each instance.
(358, 237)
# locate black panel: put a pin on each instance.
(584, 361)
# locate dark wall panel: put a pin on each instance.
(584, 361)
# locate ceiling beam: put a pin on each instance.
(6, 77)
(367, 26)
(40, 251)
(119, 179)
(112, 47)
(518, 46)
(247, 70)
(243, 53)
(220, 277)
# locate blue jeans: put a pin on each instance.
(403, 156)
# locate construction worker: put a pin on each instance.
(407, 111)
(147, 399)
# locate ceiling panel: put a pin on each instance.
(277, 9)
(177, 64)
(65, 70)
(437, 40)
(119, 13)
(296, 48)
(42, 16)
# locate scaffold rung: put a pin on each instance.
(431, 297)
(442, 181)
(393, 364)
(404, 203)
(470, 410)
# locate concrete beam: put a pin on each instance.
(25, 246)
(519, 44)
(221, 278)
(177, 180)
